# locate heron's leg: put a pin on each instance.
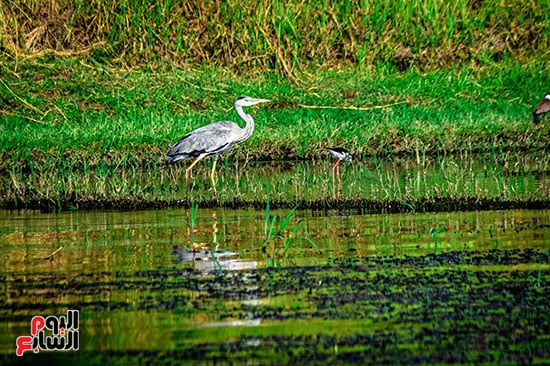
(187, 171)
(212, 177)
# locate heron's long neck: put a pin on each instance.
(249, 127)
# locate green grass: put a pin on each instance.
(91, 115)
(93, 95)
(77, 136)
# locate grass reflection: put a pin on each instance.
(412, 183)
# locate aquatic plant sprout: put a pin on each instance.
(277, 229)
(433, 233)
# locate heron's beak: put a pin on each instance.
(263, 100)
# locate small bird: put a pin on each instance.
(340, 154)
(213, 139)
(542, 107)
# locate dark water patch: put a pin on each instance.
(437, 204)
(358, 206)
(475, 258)
(232, 284)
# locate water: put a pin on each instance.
(335, 286)
(510, 180)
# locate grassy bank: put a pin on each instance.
(83, 136)
(103, 89)
(73, 110)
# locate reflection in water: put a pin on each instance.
(207, 256)
(106, 241)
(233, 323)
(173, 280)
(403, 179)
(510, 177)
(212, 260)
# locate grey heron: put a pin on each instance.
(542, 107)
(340, 154)
(213, 139)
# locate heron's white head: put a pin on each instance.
(547, 97)
(245, 101)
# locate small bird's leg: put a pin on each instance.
(333, 184)
(212, 177)
(336, 167)
(339, 180)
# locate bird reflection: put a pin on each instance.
(207, 255)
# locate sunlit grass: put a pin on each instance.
(137, 116)
(84, 136)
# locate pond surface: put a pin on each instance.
(333, 287)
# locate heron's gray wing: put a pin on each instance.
(214, 138)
